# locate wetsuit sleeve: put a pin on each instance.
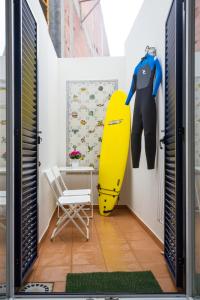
(132, 88)
(158, 77)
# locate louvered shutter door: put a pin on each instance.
(26, 140)
(174, 143)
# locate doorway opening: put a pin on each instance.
(60, 104)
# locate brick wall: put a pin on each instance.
(78, 40)
(94, 25)
(81, 47)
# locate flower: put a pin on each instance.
(75, 154)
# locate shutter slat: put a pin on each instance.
(173, 247)
(27, 179)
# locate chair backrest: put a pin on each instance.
(53, 183)
(59, 178)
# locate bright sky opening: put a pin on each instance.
(119, 17)
(2, 27)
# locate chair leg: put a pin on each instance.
(70, 219)
(86, 216)
(80, 217)
(69, 216)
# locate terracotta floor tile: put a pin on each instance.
(2, 261)
(51, 274)
(158, 269)
(2, 275)
(112, 247)
(79, 238)
(124, 267)
(58, 245)
(59, 286)
(149, 256)
(115, 257)
(31, 275)
(88, 268)
(85, 247)
(87, 258)
(144, 244)
(135, 235)
(117, 243)
(55, 259)
(130, 228)
(167, 285)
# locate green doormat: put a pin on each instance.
(113, 282)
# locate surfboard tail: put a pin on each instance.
(107, 204)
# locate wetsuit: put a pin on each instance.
(146, 80)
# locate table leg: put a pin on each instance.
(91, 184)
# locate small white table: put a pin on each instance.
(80, 170)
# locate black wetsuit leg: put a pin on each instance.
(149, 124)
(144, 117)
(136, 135)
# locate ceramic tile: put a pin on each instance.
(86, 258)
(55, 259)
(51, 273)
(144, 244)
(59, 286)
(88, 268)
(124, 267)
(149, 255)
(117, 243)
(158, 269)
(167, 285)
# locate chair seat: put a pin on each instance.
(84, 199)
(77, 192)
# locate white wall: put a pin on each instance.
(2, 68)
(197, 63)
(144, 187)
(103, 68)
(48, 116)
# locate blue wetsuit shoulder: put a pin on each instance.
(153, 62)
(133, 84)
(158, 77)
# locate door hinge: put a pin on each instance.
(39, 140)
(162, 142)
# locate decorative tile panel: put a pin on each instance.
(86, 107)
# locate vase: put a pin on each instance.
(75, 163)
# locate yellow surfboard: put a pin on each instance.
(114, 152)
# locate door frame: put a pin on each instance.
(9, 150)
(189, 160)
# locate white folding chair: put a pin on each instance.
(74, 205)
(65, 190)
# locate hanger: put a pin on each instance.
(151, 50)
